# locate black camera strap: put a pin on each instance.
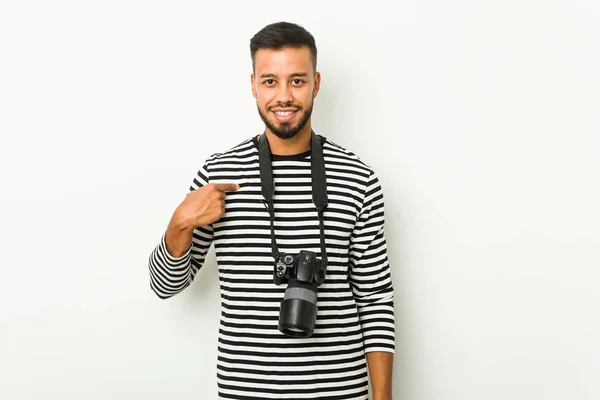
(319, 186)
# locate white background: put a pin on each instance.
(480, 117)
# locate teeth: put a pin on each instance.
(282, 113)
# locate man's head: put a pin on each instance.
(285, 80)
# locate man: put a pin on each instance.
(226, 206)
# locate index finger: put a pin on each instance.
(226, 187)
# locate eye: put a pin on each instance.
(269, 81)
(298, 82)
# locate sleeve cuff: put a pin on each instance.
(379, 347)
(169, 257)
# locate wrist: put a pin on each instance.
(180, 223)
(382, 394)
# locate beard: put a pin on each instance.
(286, 130)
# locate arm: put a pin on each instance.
(371, 282)
(181, 250)
(380, 370)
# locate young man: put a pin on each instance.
(226, 206)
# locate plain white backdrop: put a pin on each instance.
(480, 117)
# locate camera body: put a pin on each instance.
(303, 267)
(304, 272)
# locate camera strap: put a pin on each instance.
(319, 186)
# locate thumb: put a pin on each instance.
(227, 187)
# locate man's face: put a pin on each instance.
(284, 86)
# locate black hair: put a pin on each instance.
(278, 35)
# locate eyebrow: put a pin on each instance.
(294, 75)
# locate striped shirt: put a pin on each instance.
(355, 302)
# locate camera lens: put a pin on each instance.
(298, 311)
(288, 259)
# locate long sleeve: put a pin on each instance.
(370, 272)
(170, 275)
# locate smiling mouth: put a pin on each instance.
(284, 116)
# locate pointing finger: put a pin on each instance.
(227, 187)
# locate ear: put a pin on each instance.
(252, 83)
(317, 84)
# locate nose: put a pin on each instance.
(284, 94)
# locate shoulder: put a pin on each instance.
(242, 150)
(337, 155)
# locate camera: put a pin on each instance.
(304, 272)
(298, 309)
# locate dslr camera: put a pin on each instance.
(298, 310)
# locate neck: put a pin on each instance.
(287, 147)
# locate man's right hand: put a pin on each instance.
(201, 207)
(204, 205)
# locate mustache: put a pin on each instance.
(280, 105)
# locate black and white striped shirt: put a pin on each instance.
(355, 303)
